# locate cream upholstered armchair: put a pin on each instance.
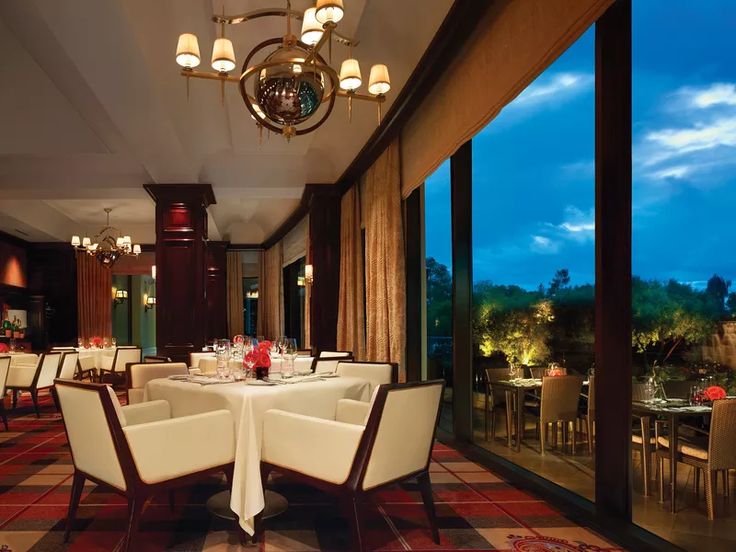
(366, 448)
(140, 374)
(327, 361)
(377, 373)
(114, 366)
(68, 364)
(4, 369)
(33, 377)
(138, 450)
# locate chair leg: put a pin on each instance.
(425, 487)
(352, 511)
(485, 415)
(660, 468)
(15, 398)
(697, 482)
(34, 398)
(645, 466)
(543, 436)
(574, 439)
(493, 424)
(77, 487)
(135, 508)
(710, 485)
(4, 415)
(589, 431)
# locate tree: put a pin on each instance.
(439, 298)
(561, 279)
(717, 291)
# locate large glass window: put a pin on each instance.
(534, 273)
(438, 265)
(684, 192)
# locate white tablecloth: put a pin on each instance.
(92, 358)
(248, 403)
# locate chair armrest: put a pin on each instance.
(323, 449)
(172, 448)
(145, 412)
(352, 412)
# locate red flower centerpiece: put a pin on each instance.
(260, 358)
(97, 341)
(714, 392)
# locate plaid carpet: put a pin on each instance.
(476, 509)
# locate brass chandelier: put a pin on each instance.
(108, 245)
(285, 82)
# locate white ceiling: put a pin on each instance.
(93, 107)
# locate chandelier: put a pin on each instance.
(285, 82)
(108, 245)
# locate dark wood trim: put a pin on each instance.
(174, 192)
(613, 363)
(14, 240)
(244, 246)
(461, 170)
(346, 358)
(413, 213)
(447, 43)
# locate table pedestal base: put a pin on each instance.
(219, 505)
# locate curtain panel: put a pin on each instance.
(350, 311)
(235, 321)
(511, 46)
(270, 322)
(385, 278)
(94, 297)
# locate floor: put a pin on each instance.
(476, 509)
(689, 528)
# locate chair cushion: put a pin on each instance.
(689, 448)
(637, 438)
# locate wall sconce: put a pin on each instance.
(150, 303)
(153, 271)
(309, 274)
(121, 296)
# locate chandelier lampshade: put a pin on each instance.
(223, 56)
(311, 28)
(108, 245)
(187, 51)
(329, 11)
(350, 78)
(379, 82)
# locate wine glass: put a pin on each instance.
(114, 342)
(222, 353)
(290, 352)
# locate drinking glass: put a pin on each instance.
(114, 342)
(249, 346)
(289, 354)
(80, 343)
(222, 353)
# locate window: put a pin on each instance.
(294, 294)
(534, 268)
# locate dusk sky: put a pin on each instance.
(533, 173)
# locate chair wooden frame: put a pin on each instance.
(3, 388)
(117, 373)
(346, 358)
(351, 493)
(137, 491)
(155, 359)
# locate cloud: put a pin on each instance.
(718, 93)
(700, 136)
(579, 169)
(676, 172)
(578, 225)
(545, 245)
(556, 86)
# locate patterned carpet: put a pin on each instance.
(476, 509)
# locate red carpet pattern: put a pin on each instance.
(476, 509)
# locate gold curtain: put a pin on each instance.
(271, 294)
(350, 313)
(384, 260)
(234, 293)
(513, 43)
(94, 298)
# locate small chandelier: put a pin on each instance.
(289, 84)
(108, 245)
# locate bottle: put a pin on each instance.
(7, 328)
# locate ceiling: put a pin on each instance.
(93, 107)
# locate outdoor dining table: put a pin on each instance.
(673, 410)
(515, 391)
(317, 397)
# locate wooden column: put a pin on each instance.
(461, 169)
(181, 252)
(216, 290)
(413, 209)
(324, 245)
(613, 262)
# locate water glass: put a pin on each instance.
(287, 367)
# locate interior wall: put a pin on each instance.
(143, 321)
(120, 315)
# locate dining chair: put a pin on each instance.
(138, 375)
(194, 358)
(493, 398)
(642, 440)
(559, 403)
(68, 365)
(715, 453)
(355, 460)
(587, 418)
(376, 373)
(138, 451)
(114, 366)
(207, 365)
(327, 361)
(34, 378)
(4, 369)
